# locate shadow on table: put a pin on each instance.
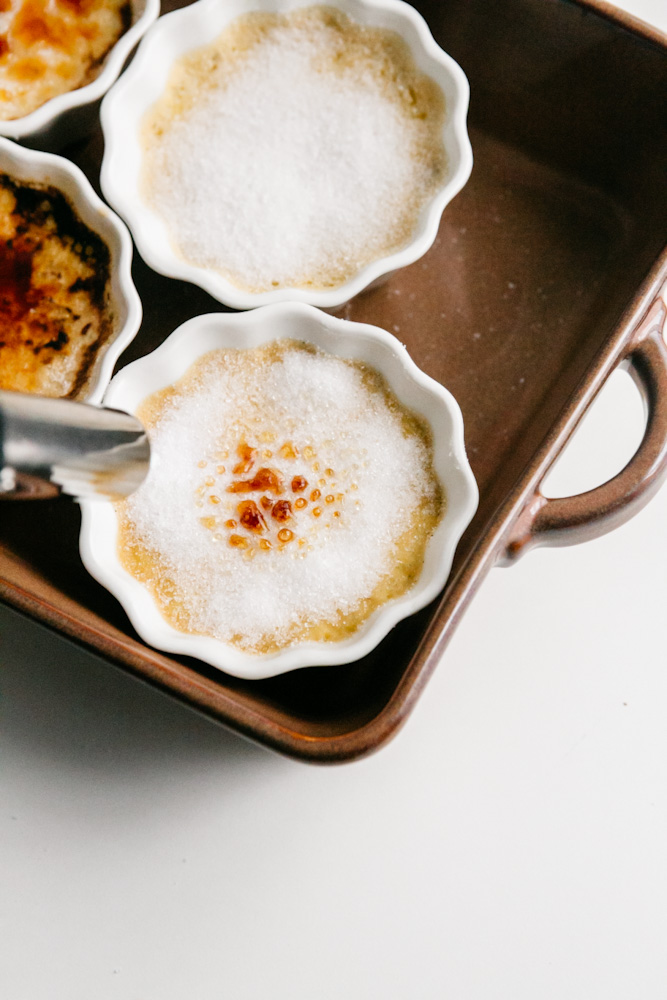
(69, 710)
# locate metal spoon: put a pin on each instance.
(53, 446)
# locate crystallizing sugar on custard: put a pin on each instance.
(289, 496)
(49, 47)
(54, 278)
(294, 150)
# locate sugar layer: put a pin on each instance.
(378, 467)
(299, 167)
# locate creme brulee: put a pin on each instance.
(54, 292)
(290, 495)
(294, 150)
(49, 47)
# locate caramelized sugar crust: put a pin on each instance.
(49, 47)
(54, 277)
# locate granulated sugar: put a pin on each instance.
(294, 150)
(289, 496)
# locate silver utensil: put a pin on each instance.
(53, 446)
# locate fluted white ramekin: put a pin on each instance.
(31, 166)
(357, 341)
(177, 33)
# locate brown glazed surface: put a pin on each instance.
(544, 268)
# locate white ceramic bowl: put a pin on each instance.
(339, 337)
(63, 117)
(46, 169)
(181, 31)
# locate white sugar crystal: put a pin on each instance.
(315, 401)
(291, 173)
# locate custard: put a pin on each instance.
(290, 495)
(49, 47)
(294, 150)
(54, 289)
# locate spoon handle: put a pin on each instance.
(53, 446)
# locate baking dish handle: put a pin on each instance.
(568, 520)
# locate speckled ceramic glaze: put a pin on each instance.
(545, 276)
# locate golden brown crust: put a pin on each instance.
(49, 47)
(54, 275)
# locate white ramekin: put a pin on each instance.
(419, 392)
(181, 31)
(65, 117)
(31, 166)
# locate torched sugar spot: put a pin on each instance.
(230, 531)
(294, 150)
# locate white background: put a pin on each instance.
(510, 844)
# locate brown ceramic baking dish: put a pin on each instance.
(545, 276)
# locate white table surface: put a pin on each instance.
(509, 844)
